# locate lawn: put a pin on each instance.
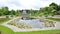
(2, 20)
(6, 30)
(54, 19)
(40, 32)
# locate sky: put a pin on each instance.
(26, 4)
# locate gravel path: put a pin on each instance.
(16, 29)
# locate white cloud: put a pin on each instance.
(26, 4)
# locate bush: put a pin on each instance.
(7, 16)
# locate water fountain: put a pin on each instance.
(35, 23)
(25, 15)
(24, 12)
(26, 22)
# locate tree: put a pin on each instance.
(18, 12)
(4, 11)
(12, 12)
(46, 11)
(54, 5)
(58, 8)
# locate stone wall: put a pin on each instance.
(56, 16)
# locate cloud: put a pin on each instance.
(26, 4)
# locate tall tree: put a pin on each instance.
(54, 5)
(12, 12)
(4, 10)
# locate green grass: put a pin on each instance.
(54, 19)
(2, 20)
(40, 32)
(6, 30)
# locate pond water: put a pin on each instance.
(35, 23)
